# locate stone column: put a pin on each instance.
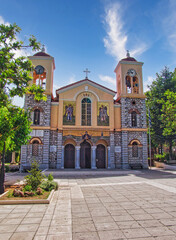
(59, 150)
(145, 150)
(112, 150)
(125, 164)
(46, 144)
(62, 159)
(93, 157)
(109, 158)
(77, 157)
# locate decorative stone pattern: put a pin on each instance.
(126, 106)
(118, 154)
(59, 150)
(45, 105)
(138, 105)
(53, 149)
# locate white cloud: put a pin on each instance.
(116, 39)
(55, 87)
(148, 82)
(2, 21)
(18, 101)
(108, 79)
(72, 79)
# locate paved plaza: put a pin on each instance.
(97, 205)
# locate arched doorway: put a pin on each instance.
(85, 161)
(69, 156)
(100, 156)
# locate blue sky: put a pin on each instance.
(95, 34)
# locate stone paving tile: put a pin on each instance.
(150, 223)
(86, 236)
(27, 228)
(111, 235)
(128, 224)
(39, 237)
(160, 231)
(136, 233)
(7, 229)
(59, 236)
(106, 226)
(31, 220)
(105, 219)
(11, 221)
(5, 236)
(42, 230)
(22, 236)
(122, 217)
(89, 227)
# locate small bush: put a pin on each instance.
(50, 177)
(160, 157)
(49, 185)
(35, 178)
(27, 188)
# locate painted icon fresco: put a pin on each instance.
(69, 113)
(103, 114)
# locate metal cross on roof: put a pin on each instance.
(86, 71)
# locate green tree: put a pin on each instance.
(14, 81)
(14, 131)
(168, 118)
(166, 80)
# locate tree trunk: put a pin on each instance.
(161, 148)
(2, 171)
(170, 150)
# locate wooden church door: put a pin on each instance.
(85, 155)
(100, 156)
(69, 159)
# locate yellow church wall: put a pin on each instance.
(117, 118)
(54, 116)
(47, 63)
(77, 94)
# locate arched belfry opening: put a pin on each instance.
(132, 82)
(39, 76)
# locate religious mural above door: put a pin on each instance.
(69, 113)
(103, 114)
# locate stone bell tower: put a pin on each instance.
(133, 112)
(38, 146)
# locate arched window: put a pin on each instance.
(134, 119)
(86, 112)
(36, 117)
(134, 149)
(35, 144)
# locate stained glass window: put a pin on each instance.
(133, 119)
(134, 149)
(36, 117)
(35, 145)
(86, 112)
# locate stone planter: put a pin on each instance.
(158, 164)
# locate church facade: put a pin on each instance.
(83, 127)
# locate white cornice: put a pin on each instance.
(102, 88)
